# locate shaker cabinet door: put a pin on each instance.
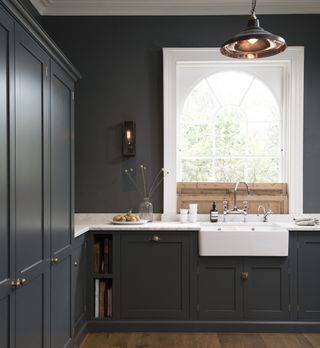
(154, 275)
(31, 192)
(308, 276)
(61, 157)
(7, 272)
(220, 288)
(266, 291)
(79, 284)
(61, 208)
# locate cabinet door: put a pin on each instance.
(266, 291)
(219, 288)
(31, 195)
(6, 236)
(79, 269)
(308, 277)
(61, 134)
(154, 275)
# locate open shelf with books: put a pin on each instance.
(101, 280)
(102, 254)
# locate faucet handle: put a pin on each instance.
(266, 214)
(225, 205)
(245, 210)
(225, 209)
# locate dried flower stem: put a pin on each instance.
(155, 183)
(158, 183)
(154, 180)
(144, 180)
(133, 181)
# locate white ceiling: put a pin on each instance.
(171, 7)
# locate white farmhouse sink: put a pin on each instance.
(256, 239)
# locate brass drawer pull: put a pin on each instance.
(155, 239)
(245, 276)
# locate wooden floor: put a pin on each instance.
(200, 340)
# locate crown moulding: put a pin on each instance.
(171, 7)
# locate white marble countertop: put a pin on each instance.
(102, 222)
(150, 226)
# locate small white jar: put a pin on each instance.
(193, 208)
(183, 215)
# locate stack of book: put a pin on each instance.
(102, 256)
(103, 299)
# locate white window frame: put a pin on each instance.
(292, 60)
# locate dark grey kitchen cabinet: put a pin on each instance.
(61, 164)
(249, 288)
(154, 274)
(219, 288)
(61, 205)
(307, 278)
(266, 290)
(32, 215)
(36, 190)
(7, 268)
(79, 277)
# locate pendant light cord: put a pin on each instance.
(254, 4)
(253, 9)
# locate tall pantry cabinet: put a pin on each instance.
(7, 268)
(36, 188)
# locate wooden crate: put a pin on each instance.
(273, 196)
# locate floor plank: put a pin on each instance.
(200, 340)
(297, 341)
(241, 340)
(286, 341)
(314, 339)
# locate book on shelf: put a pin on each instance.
(109, 256)
(96, 298)
(109, 302)
(105, 259)
(102, 256)
(103, 299)
(96, 256)
(102, 292)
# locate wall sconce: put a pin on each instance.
(129, 138)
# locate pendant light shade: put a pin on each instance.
(253, 42)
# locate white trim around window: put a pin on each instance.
(292, 60)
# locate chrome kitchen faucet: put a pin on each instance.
(235, 209)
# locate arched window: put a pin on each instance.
(230, 130)
(227, 119)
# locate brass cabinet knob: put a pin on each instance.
(54, 260)
(16, 284)
(155, 239)
(244, 276)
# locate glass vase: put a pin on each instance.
(146, 209)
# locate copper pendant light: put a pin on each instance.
(253, 42)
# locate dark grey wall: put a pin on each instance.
(121, 62)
